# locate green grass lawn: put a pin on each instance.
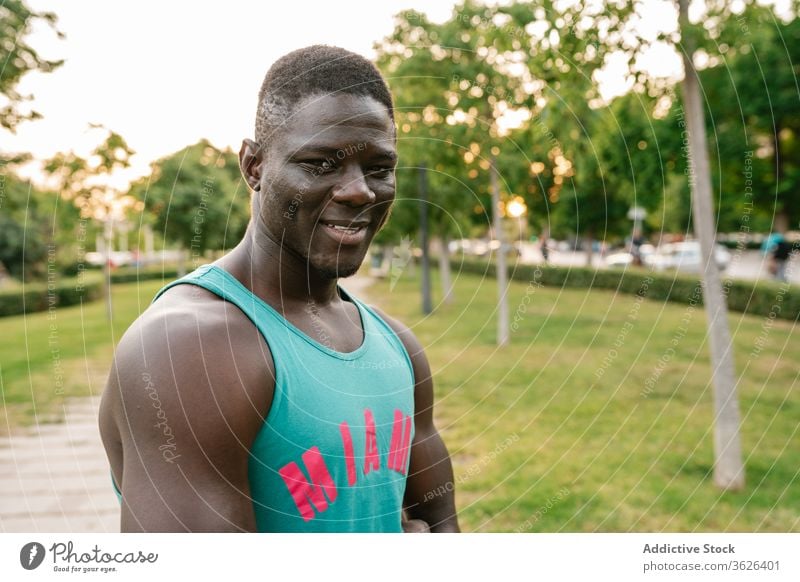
(555, 432)
(558, 432)
(45, 357)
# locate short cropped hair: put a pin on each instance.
(310, 71)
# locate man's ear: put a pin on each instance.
(251, 158)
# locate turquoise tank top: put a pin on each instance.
(333, 453)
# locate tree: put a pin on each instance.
(16, 21)
(752, 83)
(588, 195)
(559, 47)
(560, 56)
(84, 182)
(728, 465)
(431, 113)
(640, 153)
(197, 199)
(574, 54)
(449, 95)
(39, 230)
(548, 67)
(24, 234)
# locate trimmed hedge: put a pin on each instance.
(734, 244)
(130, 274)
(33, 297)
(764, 298)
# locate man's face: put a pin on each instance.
(327, 182)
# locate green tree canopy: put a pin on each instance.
(752, 90)
(18, 59)
(36, 226)
(579, 161)
(197, 198)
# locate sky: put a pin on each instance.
(166, 74)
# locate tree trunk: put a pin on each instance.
(503, 332)
(385, 268)
(728, 466)
(783, 211)
(181, 261)
(427, 300)
(148, 242)
(444, 270)
(589, 241)
(108, 242)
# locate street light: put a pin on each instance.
(516, 208)
(637, 214)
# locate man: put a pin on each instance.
(781, 253)
(637, 240)
(255, 394)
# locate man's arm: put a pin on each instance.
(188, 397)
(430, 491)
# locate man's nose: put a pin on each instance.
(353, 190)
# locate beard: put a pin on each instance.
(321, 266)
(338, 272)
(334, 266)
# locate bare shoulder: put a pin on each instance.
(188, 391)
(192, 337)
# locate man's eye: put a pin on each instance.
(319, 166)
(380, 171)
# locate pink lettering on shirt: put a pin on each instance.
(401, 438)
(304, 493)
(372, 459)
(349, 457)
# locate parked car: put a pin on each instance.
(116, 258)
(685, 256)
(476, 248)
(625, 258)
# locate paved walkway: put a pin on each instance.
(55, 477)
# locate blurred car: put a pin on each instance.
(685, 256)
(625, 258)
(477, 248)
(116, 258)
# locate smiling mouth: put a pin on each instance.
(346, 234)
(344, 229)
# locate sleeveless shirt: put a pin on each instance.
(333, 452)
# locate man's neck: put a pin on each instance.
(276, 275)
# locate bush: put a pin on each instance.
(130, 274)
(764, 298)
(122, 274)
(75, 268)
(33, 297)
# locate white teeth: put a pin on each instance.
(346, 229)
